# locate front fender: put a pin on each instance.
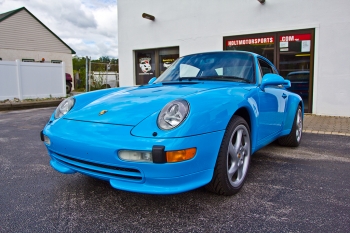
(85, 98)
(210, 111)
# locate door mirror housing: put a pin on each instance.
(151, 81)
(273, 80)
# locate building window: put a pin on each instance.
(27, 60)
(56, 61)
(145, 66)
(166, 58)
(290, 51)
(263, 44)
(153, 62)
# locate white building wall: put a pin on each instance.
(200, 25)
(12, 55)
(23, 32)
(22, 36)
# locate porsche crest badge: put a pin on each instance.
(102, 112)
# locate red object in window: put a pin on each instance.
(298, 37)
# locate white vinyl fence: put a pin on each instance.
(29, 80)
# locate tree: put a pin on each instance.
(78, 62)
(79, 67)
(103, 64)
(104, 59)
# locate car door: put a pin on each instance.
(272, 104)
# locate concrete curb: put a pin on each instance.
(27, 105)
(325, 132)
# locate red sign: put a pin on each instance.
(262, 40)
(298, 37)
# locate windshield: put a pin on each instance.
(222, 66)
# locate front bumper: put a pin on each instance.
(92, 149)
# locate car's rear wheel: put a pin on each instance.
(294, 137)
(233, 160)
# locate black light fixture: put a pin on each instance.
(150, 17)
(261, 1)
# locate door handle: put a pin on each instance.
(284, 95)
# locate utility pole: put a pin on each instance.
(89, 71)
(86, 74)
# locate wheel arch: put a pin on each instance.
(293, 103)
(221, 183)
(248, 115)
(244, 113)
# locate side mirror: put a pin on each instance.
(287, 83)
(152, 80)
(274, 80)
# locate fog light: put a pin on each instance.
(137, 156)
(47, 140)
(180, 155)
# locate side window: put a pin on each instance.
(265, 68)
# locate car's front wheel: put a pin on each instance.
(233, 160)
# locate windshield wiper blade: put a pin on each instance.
(217, 78)
(189, 78)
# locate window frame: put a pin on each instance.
(277, 53)
(28, 60)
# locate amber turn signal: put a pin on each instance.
(180, 155)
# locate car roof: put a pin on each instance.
(226, 51)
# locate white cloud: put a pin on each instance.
(88, 26)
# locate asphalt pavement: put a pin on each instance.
(304, 189)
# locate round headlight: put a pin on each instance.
(173, 114)
(64, 107)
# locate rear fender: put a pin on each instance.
(293, 102)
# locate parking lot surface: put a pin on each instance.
(304, 189)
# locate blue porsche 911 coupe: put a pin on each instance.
(196, 125)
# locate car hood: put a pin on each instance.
(131, 105)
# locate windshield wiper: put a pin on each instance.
(216, 78)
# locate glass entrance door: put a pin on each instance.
(295, 64)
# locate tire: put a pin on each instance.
(68, 87)
(293, 139)
(233, 160)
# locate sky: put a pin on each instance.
(89, 27)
